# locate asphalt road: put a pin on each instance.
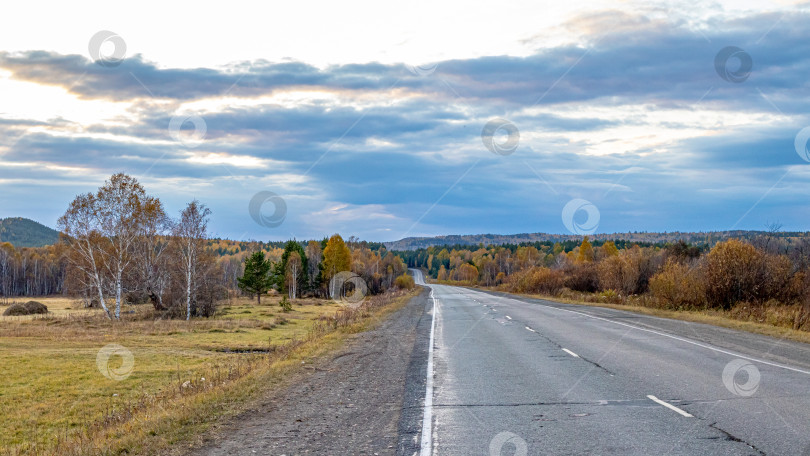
(509, 375)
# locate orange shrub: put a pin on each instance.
(536, 280)
(738, 272)
(404, 281)
(679, 286)
(467, 273)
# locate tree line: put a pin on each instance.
(766, 271)
(312, 268)
(31, 271)
(118, 245)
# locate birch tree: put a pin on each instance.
(282, 271)
(336, 258)
(103, 229)
(151, 259)
(79, 225)
(119, 211)
(293, 274)
(190, 234)
(313, 254)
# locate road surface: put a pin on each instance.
(510, 375)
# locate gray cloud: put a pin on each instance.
(429, 136)
(659, 62)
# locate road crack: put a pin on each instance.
(733, 438)
(594, 363)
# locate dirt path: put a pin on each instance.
(350, 404)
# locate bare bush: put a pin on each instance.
(582, 277)
(630, 271)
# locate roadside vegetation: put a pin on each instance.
(118, 245)
(763, 281)
(136, 332)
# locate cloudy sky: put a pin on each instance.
(386, 120)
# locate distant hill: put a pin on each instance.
(711, 237)
(22, 232)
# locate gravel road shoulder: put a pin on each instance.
(351, 403)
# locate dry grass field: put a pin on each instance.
(163, 380)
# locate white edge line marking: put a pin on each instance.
(669, 406)
(570, 352)
(530, 329)
(427, 420)
(708, 347)
(508, 317)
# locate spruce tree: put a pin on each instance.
(257, 278)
